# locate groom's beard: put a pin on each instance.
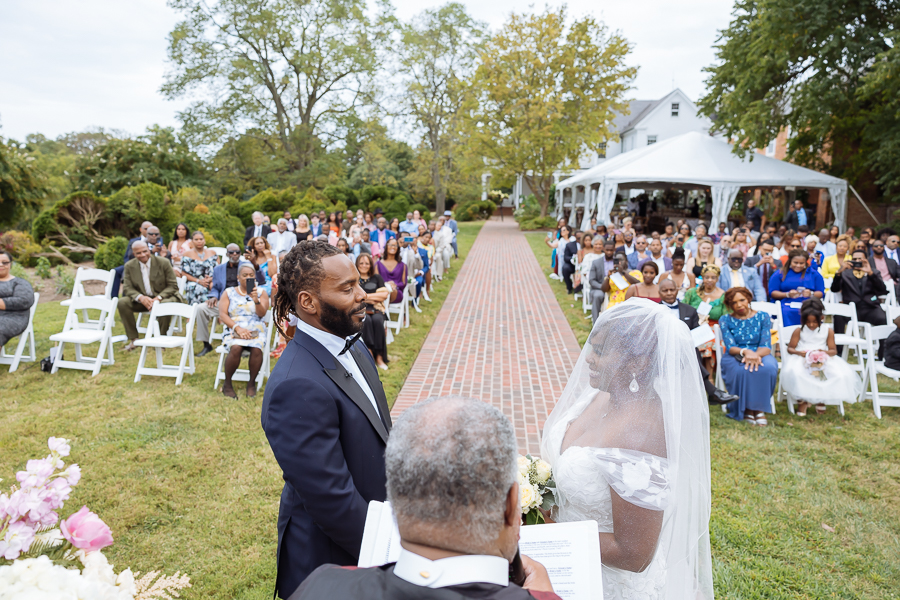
(341, 323)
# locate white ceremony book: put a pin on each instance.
(705, 308)
(619, 280)
(702, 334)
(569, 551)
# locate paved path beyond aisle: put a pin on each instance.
(500, 337)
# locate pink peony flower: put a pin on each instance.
(73, 474)
(59, 445)
(18, 539)
(86, 531)
(36, 473)
(816, 357)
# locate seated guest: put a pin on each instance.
(427, 249)
(892, 348)
(258, 229)
(375, 247)
(762, 249)
(409, 226)
(146, 279)
(838, 383)
(373, 332)
(569, 251)
(155, 243)
(242, 310)
(703, 254)
(315, 227)
(646, 288)
(711, 297)
(884, 266)
(692, 242)
(858, 283)
(824, 244)
(892, 248)
(181, 243)
(454, 545)
(612, 289)
(600, 268)
(742, 242)
(117, 277)
(224, 276)
(584, 265)
(684, 280)
(793, 283)
(663, 262)
(359, 246)
(795, 243)
(585, 247)
(414, 261)
(815, 258)
(282, 239)
(443, 244)
(748, 368)
(291, 223)
(724, 248)
(737, 275)
(722, 232)
(641, 251)
(344, 246)
(678, 246)
(764, 263)
(393, 270)
(628, 248)
(16, 298)
(302, 230)
(260, 255)
(382, 234)
(687, 314)
(197, 266)
(832, 264)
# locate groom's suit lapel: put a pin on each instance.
(340, 376)
(361, 355)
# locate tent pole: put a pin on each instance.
(865, 206)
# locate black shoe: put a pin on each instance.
(721, 397)
(207, 348)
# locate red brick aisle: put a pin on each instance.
(500, 336)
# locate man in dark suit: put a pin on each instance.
(258, 229)
(325, 415)
(597, 275)
(687, 314)
(798, 216)
(147, 279)
(439, 447)
(129, 254)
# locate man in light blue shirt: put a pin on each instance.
(454, 227)
(409, 226)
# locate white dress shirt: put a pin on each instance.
(257, 230)
(456, 570)
(334, 345)
(281, 242)
(892, 254)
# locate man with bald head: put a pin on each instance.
(147, 279)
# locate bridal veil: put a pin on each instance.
(635, 404)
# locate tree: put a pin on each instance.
(798, 65)
(291, 69)
(22, 186)
(160, 157)
(437, 54)
(543, 91)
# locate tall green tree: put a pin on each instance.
(799, 65)
(544, 90)
(292, 69)
(437, 55)
(22, 185)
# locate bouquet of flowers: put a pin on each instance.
(42, 556)
(815, 362)
(535, 488)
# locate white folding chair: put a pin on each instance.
(81, 275)
(74, 332)
(221, 253)
(852, 336)
(774, 311)
(154, 339)
(878, 333)
(26, 336)
(784, 336)
(244, 374)
(401, 309)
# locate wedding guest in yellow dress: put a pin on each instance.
(612, 290)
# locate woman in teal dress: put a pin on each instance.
(709, 292)
(748, 367)
(197, 266)
(242, 312)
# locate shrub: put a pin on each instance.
(225, 228)
(537, 223)
(78, 223)
(144, 202)
(42, 269)
(528, 209)
(65, 281)
(474, 210)
(17, 270)
(20, 244)
(211, 240)
(340, 193)
(110, 254)
(202, 209)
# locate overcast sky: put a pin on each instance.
(66, 66)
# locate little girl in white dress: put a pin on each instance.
(840, 381)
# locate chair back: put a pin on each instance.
(842, 310)
(773, 309)
(892, 312)
(182, 284)
(84, 274)
(106, 307)
(784, 338)
(173, 309)
(220, 252)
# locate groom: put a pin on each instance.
(325, 415)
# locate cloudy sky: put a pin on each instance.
(66, 66)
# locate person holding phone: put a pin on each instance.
(242, 309)
(618, 281)
(857, 283)
(794, 283)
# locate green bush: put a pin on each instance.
(65, 281)
(20, 244)
(225, 228)
(17, 270)
(79, 218)
(110, 254)
(537, 223)
(474, 210)
(341, 193)
(144, 202)
(42, 269)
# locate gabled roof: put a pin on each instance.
(640, 109)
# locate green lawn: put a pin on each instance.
(183, 475)
(775, 488)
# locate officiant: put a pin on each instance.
(325, 414)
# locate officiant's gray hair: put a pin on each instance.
(451, 461)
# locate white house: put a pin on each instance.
(648, 122)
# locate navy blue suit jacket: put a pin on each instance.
(329, 442)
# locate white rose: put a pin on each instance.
(528, 497)
(542, 470)
(524, 465)
(125, 582)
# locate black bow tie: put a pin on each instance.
(349, 343)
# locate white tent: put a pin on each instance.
(690, 161)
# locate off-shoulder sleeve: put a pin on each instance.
(639, 478)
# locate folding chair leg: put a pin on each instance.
(181, 364)
(100, 353)
(137, 375)
(220, 374)
(56, 361)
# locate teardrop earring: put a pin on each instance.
(634, 387)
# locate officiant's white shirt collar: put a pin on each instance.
(456, 570)
(333, 343)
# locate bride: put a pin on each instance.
(629, 445)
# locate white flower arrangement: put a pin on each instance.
(535, 478)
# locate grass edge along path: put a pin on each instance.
(183, 476)
(775, 489)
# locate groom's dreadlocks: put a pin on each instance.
(301, 270)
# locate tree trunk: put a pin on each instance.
(440, 195)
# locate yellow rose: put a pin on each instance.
(528, 497)
(543, 471)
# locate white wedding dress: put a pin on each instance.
(638, 341)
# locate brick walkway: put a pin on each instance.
(500, 336)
